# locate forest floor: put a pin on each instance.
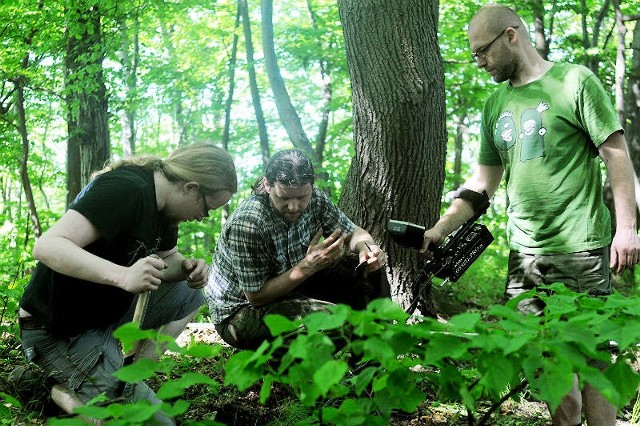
(247, 411)
(232, 407)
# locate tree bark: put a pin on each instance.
(632, 110)
(288, 115)
(540, 40)
(89, 146)
(24, 169)
(253, 82)
(397, 79)
(327, 93)
(129, 56)
(176, 94)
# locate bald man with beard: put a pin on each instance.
(546, 130)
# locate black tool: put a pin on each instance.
(449, 261)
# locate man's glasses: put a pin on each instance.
(482, 52)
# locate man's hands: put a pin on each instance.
(431, 236)
(625, 250)
(322, 254)
(371, 256)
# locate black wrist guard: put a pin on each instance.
(479, 201)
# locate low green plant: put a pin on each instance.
(472, 358)
(170, 391)
(360, 367)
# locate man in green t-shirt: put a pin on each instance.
(545, 130)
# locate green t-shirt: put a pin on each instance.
(546, 136)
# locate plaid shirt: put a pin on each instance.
(256, 244)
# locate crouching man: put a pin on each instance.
(288, 250)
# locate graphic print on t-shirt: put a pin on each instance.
(141, 250)
(531, 134)
(505, 132)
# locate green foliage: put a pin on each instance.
(171, 390)
(182, 82)
(8, 406)
(388, 364)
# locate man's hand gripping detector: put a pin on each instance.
(461, 249)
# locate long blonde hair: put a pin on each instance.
(209, 165)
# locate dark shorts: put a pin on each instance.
(86, 363)
(245, 328)
(583, 272)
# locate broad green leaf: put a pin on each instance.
(279, 324)
(362, 380)
(624, 334)
(265, 388)
(142, 369)
(552, 382)
(329, 374)
(624, 379)
(322, 321)
(242, 371)
(375, 348)
(202, 350)
(177, 408)
(444, 346)
(176, 387)
(465, 321)
(498, 371)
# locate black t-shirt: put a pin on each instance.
(122, 205)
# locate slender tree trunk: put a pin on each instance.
(461, 130)
(24, 169)
(326, 93)
(288, 115)
(180, 127)
(540, 40)
(89, 146)
(129, 54)
(399, 129)
(632, 110)
(229, 101)
(592, 62)
(232, 83)
(253, 82)
(621, 65)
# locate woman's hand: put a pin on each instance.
(197, 272)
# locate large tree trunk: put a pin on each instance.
(397, 79)
(89, 147)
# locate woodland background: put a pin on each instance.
(383, 94)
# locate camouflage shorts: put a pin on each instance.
(245, 329)
(584, 272)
